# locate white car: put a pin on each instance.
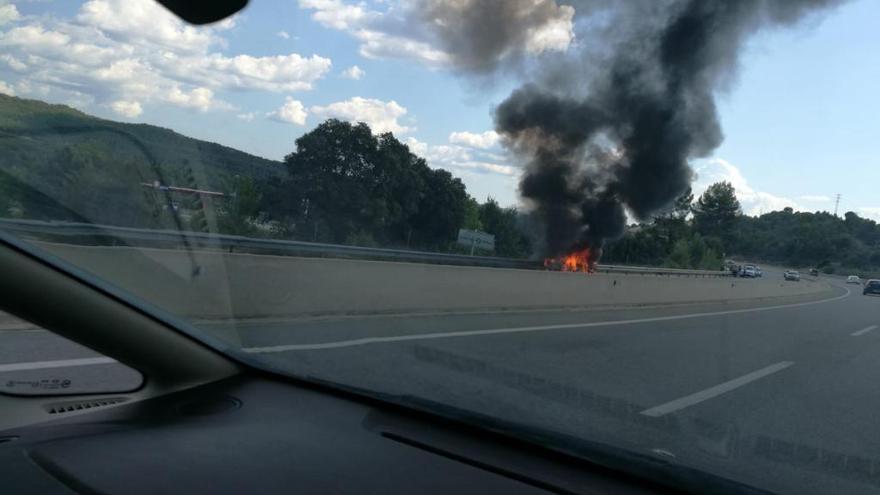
(853, 279)
(749, 271)
(792, 275)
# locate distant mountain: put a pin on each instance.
(49, 127)
(84, 164)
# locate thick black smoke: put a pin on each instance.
(620, 139)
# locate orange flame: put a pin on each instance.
(576, 261)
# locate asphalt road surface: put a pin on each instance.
(780, 394)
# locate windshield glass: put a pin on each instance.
(574, 221)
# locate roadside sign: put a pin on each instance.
(476, 239)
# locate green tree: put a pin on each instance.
(238, 212)
(674, 225)
(85, 182)
(510, 241)
(641, 245)
(472, 215)
(717, 211)
(652, 242)
(441, 211)
(332, 179)
(683, 205)
(348, 185)
(865, 230)
(693, 253)
(194, 205)
(786, 237)
(401, 182)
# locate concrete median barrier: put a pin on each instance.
(217, 285)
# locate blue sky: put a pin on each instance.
(800, 121)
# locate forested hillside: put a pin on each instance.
(341, 183)
(697, 234)
(81, 167)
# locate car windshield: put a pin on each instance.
(538, 216)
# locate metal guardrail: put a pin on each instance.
(87, 233)
(661, 271)
(111, 235)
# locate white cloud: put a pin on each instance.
(13, 63)
(122, 70)
(815, 199)
(279, 73)
(353, 72)
(483, 176)
(487, 167)
(199, 98)
(335, 13)
(226, 24)
(380, 115)
(378, 45)
(144, 22)
(8, 13)
(147, 56)
(128, 109)
(753, 202)
(445, 153)
(458, 158)
(6, 89)
(247, 117)
(35, 37)
(872, 212)
(417, 147)
(483, 140)
(292, 112)
(283, 35)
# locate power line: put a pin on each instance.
(186, 190)
(836, 203)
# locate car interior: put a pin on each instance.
(198, 415)
(204, 423)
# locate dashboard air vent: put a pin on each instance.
(67, 407)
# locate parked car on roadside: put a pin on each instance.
(748, 271)
(792, 275)
(814, 272)
(853, 279)
(871, 287)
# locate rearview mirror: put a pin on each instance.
(201, 12)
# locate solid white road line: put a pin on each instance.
(493, 331)
(63, 363)
(21, 330)
(863, 331)
(715, 391)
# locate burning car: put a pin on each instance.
(580, 260)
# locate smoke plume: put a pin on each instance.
(609, 127)
(479, 36)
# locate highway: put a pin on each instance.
(774, 393)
